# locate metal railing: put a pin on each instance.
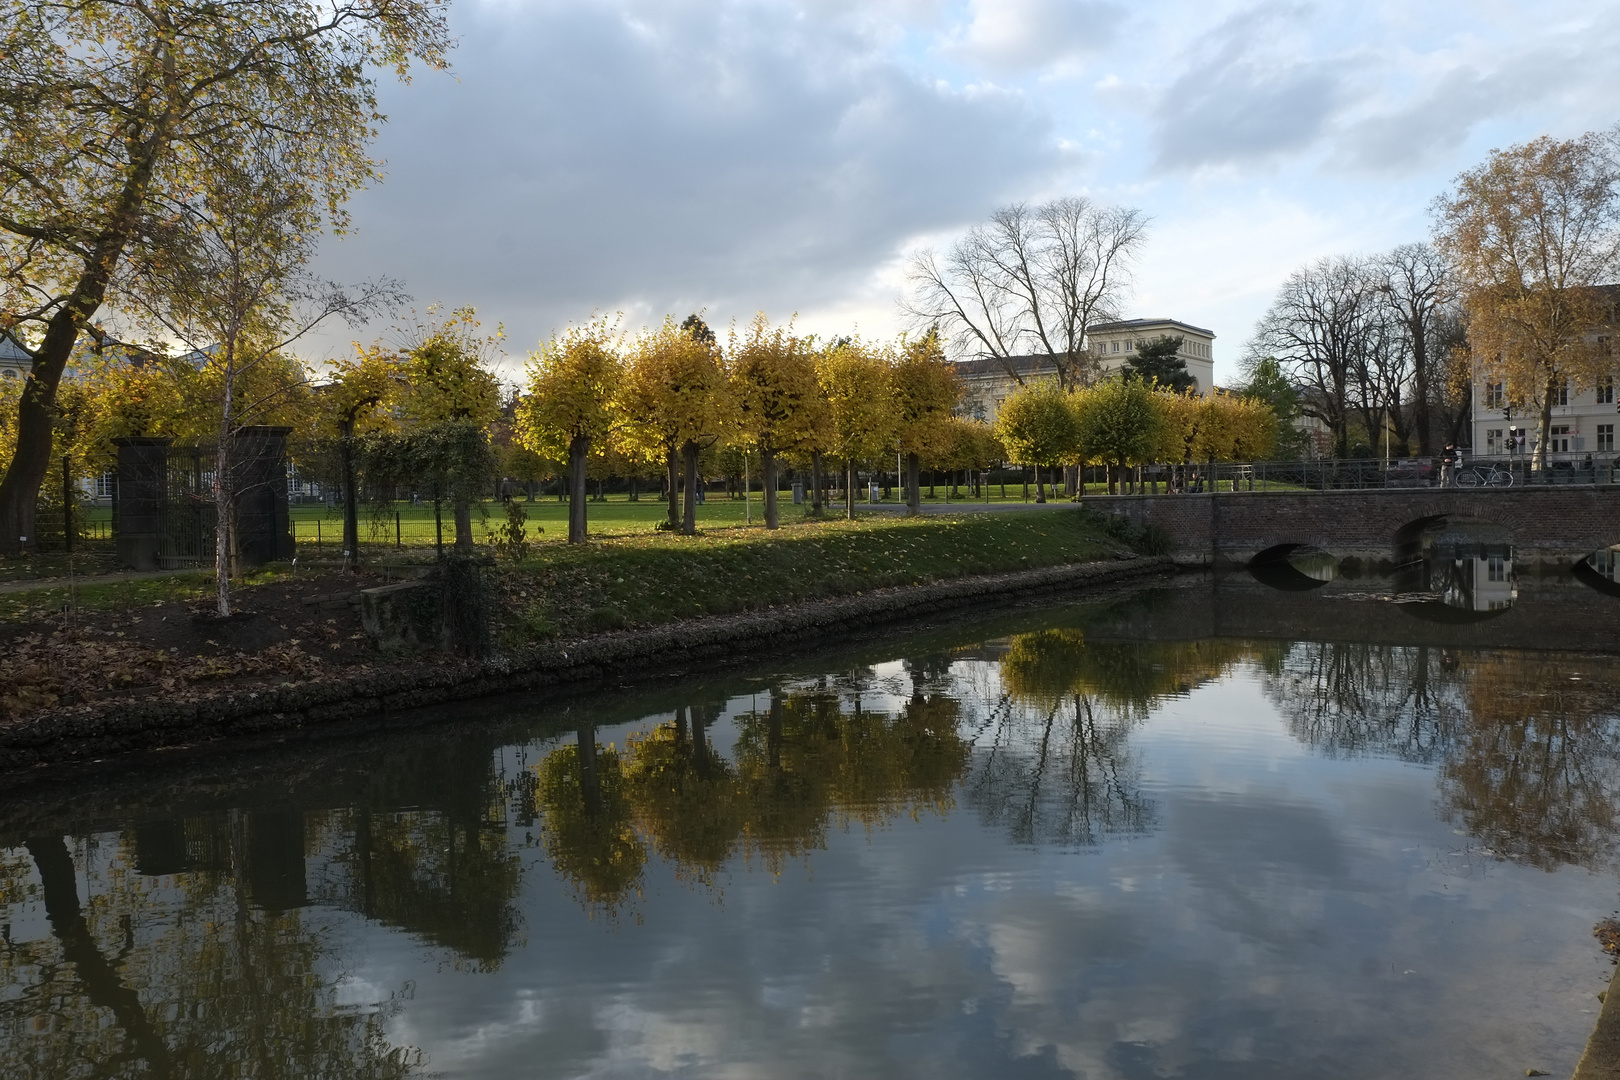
(1326, 474)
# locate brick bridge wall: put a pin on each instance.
(1558, 524)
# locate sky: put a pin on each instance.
(647, 157)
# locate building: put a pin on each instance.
(1583, 417)
(987, 381)
(1114, 343)
(14, 359)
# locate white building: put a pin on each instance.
(987, 381)
(14, 362)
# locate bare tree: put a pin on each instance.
(1031, 278)
(1316, 329)
(238, 298)
(1417, 290)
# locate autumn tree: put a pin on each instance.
(1531, 234)
(925, 391)
(1120, 421)
(237, 296)
(1037, 425)
(1031, 279)
(674, 399)
(569, 407)
(779, 403)
(357, 388)
(449, 379)
(113, 114)
(854, 380)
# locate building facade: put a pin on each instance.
(14, 362)
(987, 381)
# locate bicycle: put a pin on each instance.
(1475, 475)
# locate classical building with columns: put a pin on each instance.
(987, 381)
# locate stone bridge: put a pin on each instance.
(1557, 524)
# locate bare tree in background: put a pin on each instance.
(1316, 329)
(1417, 291)
(1031, 279)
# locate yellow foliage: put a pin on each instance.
(854, 380)
(674, 391)
(571, 385)
(779, 402)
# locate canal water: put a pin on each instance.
(1210, 829)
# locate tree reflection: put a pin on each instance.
(1534, 774)
(181, 979)
(589, 834)
(1346, 698)
(816, 757)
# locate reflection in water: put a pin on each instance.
(1294, 568)
(234, 937)
(1465, 567)
(1601, 570)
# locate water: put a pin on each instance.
(1204, 831)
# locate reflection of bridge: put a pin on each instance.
(1559, 524)
(1552, 613)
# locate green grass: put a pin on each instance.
(106, 596)
(654, 578)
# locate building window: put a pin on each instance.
(1493, 395)
(1116, 349)
(7, 373)
(1493, 440)
(1605, 438)
(1563, 393)
(106, 485)
(1496, 568)
(1558, 439)
(1605, 390)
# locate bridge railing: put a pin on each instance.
(1328, 474)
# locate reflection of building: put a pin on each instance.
(987, 381)
(1477, 579)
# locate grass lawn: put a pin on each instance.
(651, 578)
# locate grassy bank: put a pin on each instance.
(563, 591)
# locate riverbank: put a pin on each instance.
(168, 675)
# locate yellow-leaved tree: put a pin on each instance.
(779, 403)
(1121, 422)
(926, 390)
(451, 395)
(1038, 426)
(568, 412)
(855, 382)
(673, 401)
(1531, 235)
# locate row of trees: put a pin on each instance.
(1514, 291)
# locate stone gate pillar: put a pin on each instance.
(139, 500)
(259, 463)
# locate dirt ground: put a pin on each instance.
(289, 630)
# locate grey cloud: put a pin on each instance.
(1245, 99)
(672, 158)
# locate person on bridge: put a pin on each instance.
(1448, 465)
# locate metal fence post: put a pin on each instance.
(67, 505)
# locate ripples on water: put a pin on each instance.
(1201, 832)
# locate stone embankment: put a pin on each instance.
(369, 697)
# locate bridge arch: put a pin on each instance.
(1293, 567)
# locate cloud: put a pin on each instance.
(1018, 35)
(672, 157)
(1248, 100)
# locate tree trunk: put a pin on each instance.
(1040, 489)
(222, 495)
(589, 785)
(913, 486)
(689, 453)
(578, 450)
(351, 498)
(816, 481)
(767, 459)
(464, 534)
(849, 491)
(1544, 422)
(672, 469)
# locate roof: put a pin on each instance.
(11, 351)
(1037, 364)
(1143, 324)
